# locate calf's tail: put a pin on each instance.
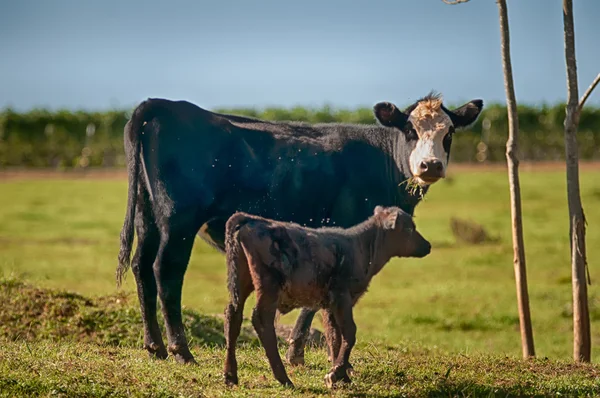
(233, 250)
(133, 145)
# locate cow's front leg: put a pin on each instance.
(342, 312)
(297, 340)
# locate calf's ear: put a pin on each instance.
(390, 220)
(466, 115)
(378, 209)
(388, 115)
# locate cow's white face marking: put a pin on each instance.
(428, 128)
(431, 124)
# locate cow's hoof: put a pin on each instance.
(156, 351)
(350, 371)
(287, 383)
(293, 358)
(182, 354)
(185, 359)
(230, 379)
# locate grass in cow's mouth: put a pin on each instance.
(413, 187)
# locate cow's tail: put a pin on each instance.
(133, 145)
(234, 250)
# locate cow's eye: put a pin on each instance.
(412, 135)
(448, 139)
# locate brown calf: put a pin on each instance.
(290, 266)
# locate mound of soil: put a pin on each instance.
(31, 313)
(470, 232)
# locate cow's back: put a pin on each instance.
(314, 175)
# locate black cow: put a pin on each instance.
(190, 169)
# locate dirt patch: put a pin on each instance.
(118, 174)
(52, 241)
(37, 174)
(523, 166)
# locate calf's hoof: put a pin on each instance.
(294, 356)
(295, 360)
(230, 379)
(336, 375)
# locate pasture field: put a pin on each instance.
(446, 324)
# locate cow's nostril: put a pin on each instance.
(439, 167)
(423, 166)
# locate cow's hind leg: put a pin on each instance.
(141, 265)
(295, 353)
(177, 239)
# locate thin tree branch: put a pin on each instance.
(453, 2)
(582, 341)
(512, 160)
(588, 92)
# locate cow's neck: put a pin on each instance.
(406, 196)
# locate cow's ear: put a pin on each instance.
(378, 209)
(466, 115)
(388, 115)
(390, 220)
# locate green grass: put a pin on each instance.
(61, 343)
(459, 300)
(45, 369)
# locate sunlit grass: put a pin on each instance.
(461, 298)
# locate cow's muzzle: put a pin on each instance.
(430, 171)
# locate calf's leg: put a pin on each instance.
(263, 320)
(233, 324)
(333, 335)
(169, 269)
(295, 352)
(342, 311)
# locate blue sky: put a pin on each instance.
(103, 54)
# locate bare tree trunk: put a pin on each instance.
(582, 345)
(515, 189)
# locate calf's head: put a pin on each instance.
(427, 128)
(401, 236)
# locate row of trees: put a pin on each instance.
(73, 139)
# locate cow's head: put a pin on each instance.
(427, 127)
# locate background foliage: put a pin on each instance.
(65, 139)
